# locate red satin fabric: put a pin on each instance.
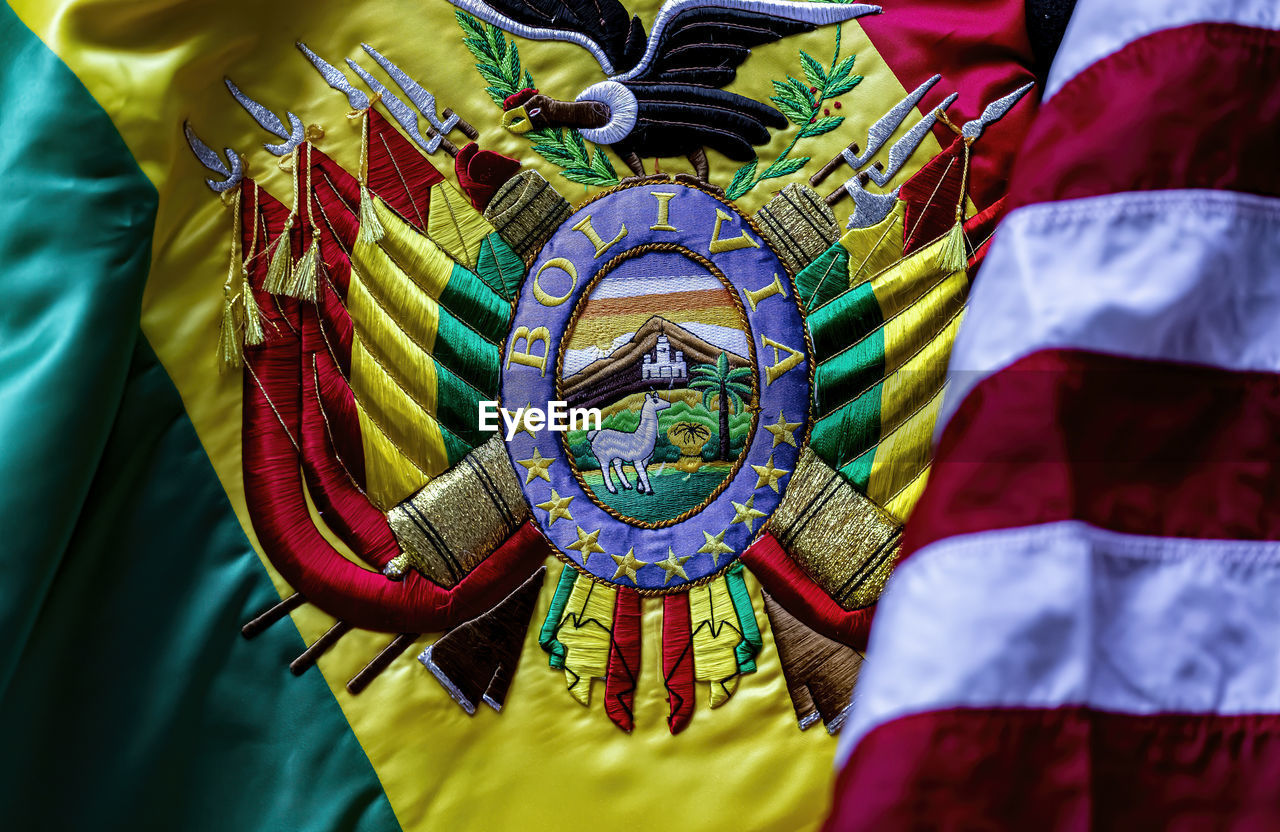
(677, 660)
(399, 173)
(783, 578)
(1211, 74)
(1142, 447)
(1062, 769)
(931, 197)
(624, 660)
(978, 231)
(981, 49)
(331, 482)
(277, 427)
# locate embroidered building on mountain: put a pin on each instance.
(661, 364)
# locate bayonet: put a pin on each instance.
(994, 112)
(421, 98)
(210, 159)
(356, 98)
(404, 115)
(269, 121)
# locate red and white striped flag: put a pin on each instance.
(1085, 629)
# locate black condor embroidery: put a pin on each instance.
(664, 95)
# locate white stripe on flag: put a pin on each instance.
(1182, 275)
(1069, 614)
(1097, 30)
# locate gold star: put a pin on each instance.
(783, 431)
(673, 566)
(537, 466)
(768, 475)
(523, 421)
(556, 507)
(627, 565)
(715, 547)
(586, 540)
(745, 514)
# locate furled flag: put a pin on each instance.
(1084, 632)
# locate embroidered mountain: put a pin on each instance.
(660, 356)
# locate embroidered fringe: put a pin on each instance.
(716, 634)
(458, 518)
(841, 539)
(677, 660)
(624, 660)
(586, 633)
(798, 225)
(526, 211)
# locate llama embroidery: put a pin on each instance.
(615, 448)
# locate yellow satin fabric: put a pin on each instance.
(716, 633)
(542, 763)
(455, 225)
(585, 631)
(923, 304)
(876, 247)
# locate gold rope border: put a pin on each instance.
(653, 592)
(615, 262)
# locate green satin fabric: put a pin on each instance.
(128, 698)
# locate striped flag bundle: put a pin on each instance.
(1084, 630)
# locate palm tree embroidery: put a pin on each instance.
(727, 385)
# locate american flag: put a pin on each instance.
(1084, 631)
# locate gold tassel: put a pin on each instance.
(230, 349)
(280, 271)
(371, 230)
(303, 286)
(954, 257)
(254, 334)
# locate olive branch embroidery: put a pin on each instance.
(801, 103)
(498, 62)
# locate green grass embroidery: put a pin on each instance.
(801, 102)
(498, 62)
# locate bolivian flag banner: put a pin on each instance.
(470, 414)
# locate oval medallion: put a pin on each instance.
(659, 308)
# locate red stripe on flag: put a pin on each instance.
(1134, 446)
(624, 660)
(1069, 768)
(981, 49)
(1136, 120)
(399, 173)
(677, 660)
